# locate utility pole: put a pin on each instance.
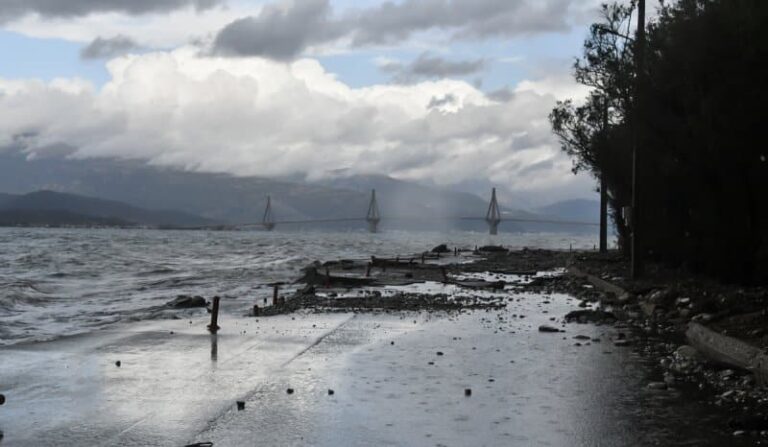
(636, 261)
(603, 186)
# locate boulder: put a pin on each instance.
(187, 302)
(442, 248)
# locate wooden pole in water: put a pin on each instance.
(214, 326)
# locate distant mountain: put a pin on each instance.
(580, 210)
(225, 199)
(62, 208)
(218, 197)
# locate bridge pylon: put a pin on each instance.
(373, 217)
(493, 216)
(268, 221)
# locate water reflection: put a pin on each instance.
(214, 347)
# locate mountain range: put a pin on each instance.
(134, 192)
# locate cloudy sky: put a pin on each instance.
(449, 92)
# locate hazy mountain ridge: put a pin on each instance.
(48, 207)
(218, 198)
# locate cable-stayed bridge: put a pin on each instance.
(374, 217)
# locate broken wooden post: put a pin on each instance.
(368, 269)
(445, 274)
(214, 327)
(275, 295)
(423, 255)
(255, 310)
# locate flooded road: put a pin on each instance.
(397, 379)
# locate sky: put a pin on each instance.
(453, 93)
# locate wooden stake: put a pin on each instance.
(214, 327)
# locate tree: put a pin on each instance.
(704, 171)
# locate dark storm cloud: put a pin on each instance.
(11, 9)
(391, 23)
(427, 66)
(286, 28)
(105, 48)
(280, 31)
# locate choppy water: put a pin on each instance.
(56, 282)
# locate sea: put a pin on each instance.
(56, 282)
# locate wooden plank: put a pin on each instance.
(728, 350)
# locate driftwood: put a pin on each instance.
(600, 283)
(729, 351)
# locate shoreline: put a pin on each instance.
(396, 362)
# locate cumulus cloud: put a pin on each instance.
(105, 48)
(428, 66)
(12, 9)
(254, 116)
(287, 28)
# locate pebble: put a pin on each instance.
(547, 328)
(439, 353)
(289, 391)
(118, 363)
(468, 392)
(331, 392)
(240, 405)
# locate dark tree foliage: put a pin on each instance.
(699, 118)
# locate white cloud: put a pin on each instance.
(154, 30)
(253, 116)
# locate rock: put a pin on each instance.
(547, 328)
(590, 316)
(738, 433)
(186, 302)
(682, 302)
(581, 337)
(662, 297)
(331, 392)
(623, 342)
(440, 353)
(118, 363)
(687, 352)
(289, 391)
(647, 307)
(468, 392)
(492, 249)
(703, 317)
(240, 405)
(2, 399)
(442, 248)
(726, 373)
(657, 386)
